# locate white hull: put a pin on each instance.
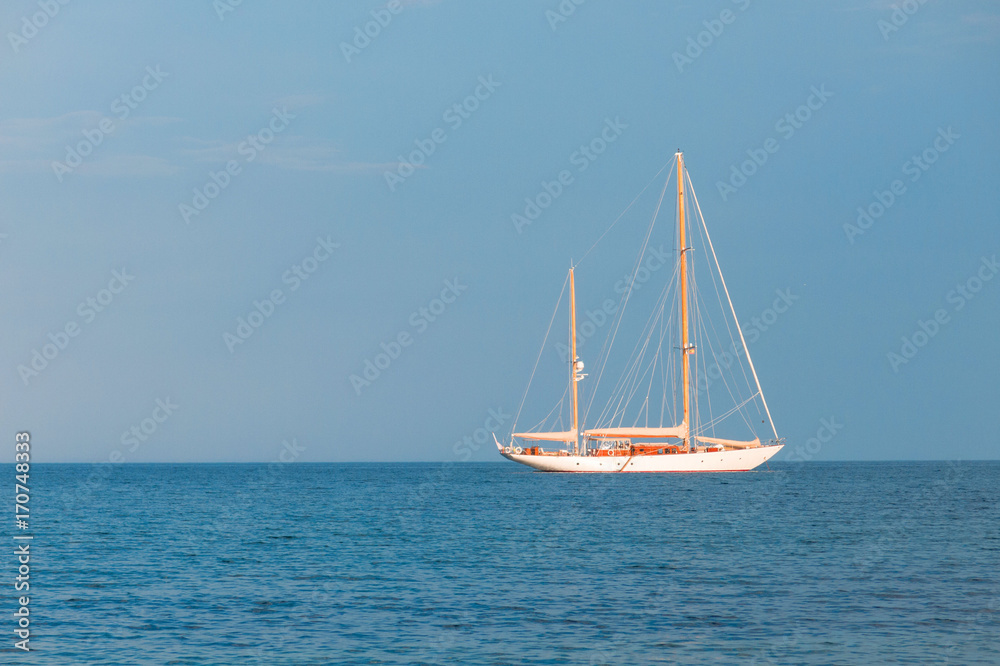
(717, 461)
(646, 445)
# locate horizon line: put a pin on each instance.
(469, 462)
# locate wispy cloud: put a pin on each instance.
(988, 24)
(113, 166)
(25, 166)
(292, 153)
(29, 134)
(300, 101)
(936, 28)
(32, 145)
(129, 166)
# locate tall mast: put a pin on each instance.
(572, 360)
(685, 350)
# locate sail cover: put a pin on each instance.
(731, 443)
(564, 436)
(679, 432)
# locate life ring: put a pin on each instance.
(517, 449)
(507, 450)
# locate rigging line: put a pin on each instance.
(726, 415)
(742, 339)
(635, 356)
(668, 375)
(662, 318)
(725, 382)
(636, 384)
(702, 229)
(628, 292)
(719, 339)
(673, 361)
(606, 231)
(540, 352)
(630, 386)
(558, 423)
(652, 376)
(627, 381)
(626, 392)
(658, 356)
(708, 396)
(622, 468)
(664, 372)
(559, 405)
(696, 341)
(636, 353)
(704, 323)
(700, 355)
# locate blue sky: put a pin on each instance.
(329, 126)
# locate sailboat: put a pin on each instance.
(684, 440)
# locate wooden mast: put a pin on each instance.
(684, 300)
(572, 360)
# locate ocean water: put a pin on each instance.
(823, 563)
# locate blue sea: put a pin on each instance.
(802, 563)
